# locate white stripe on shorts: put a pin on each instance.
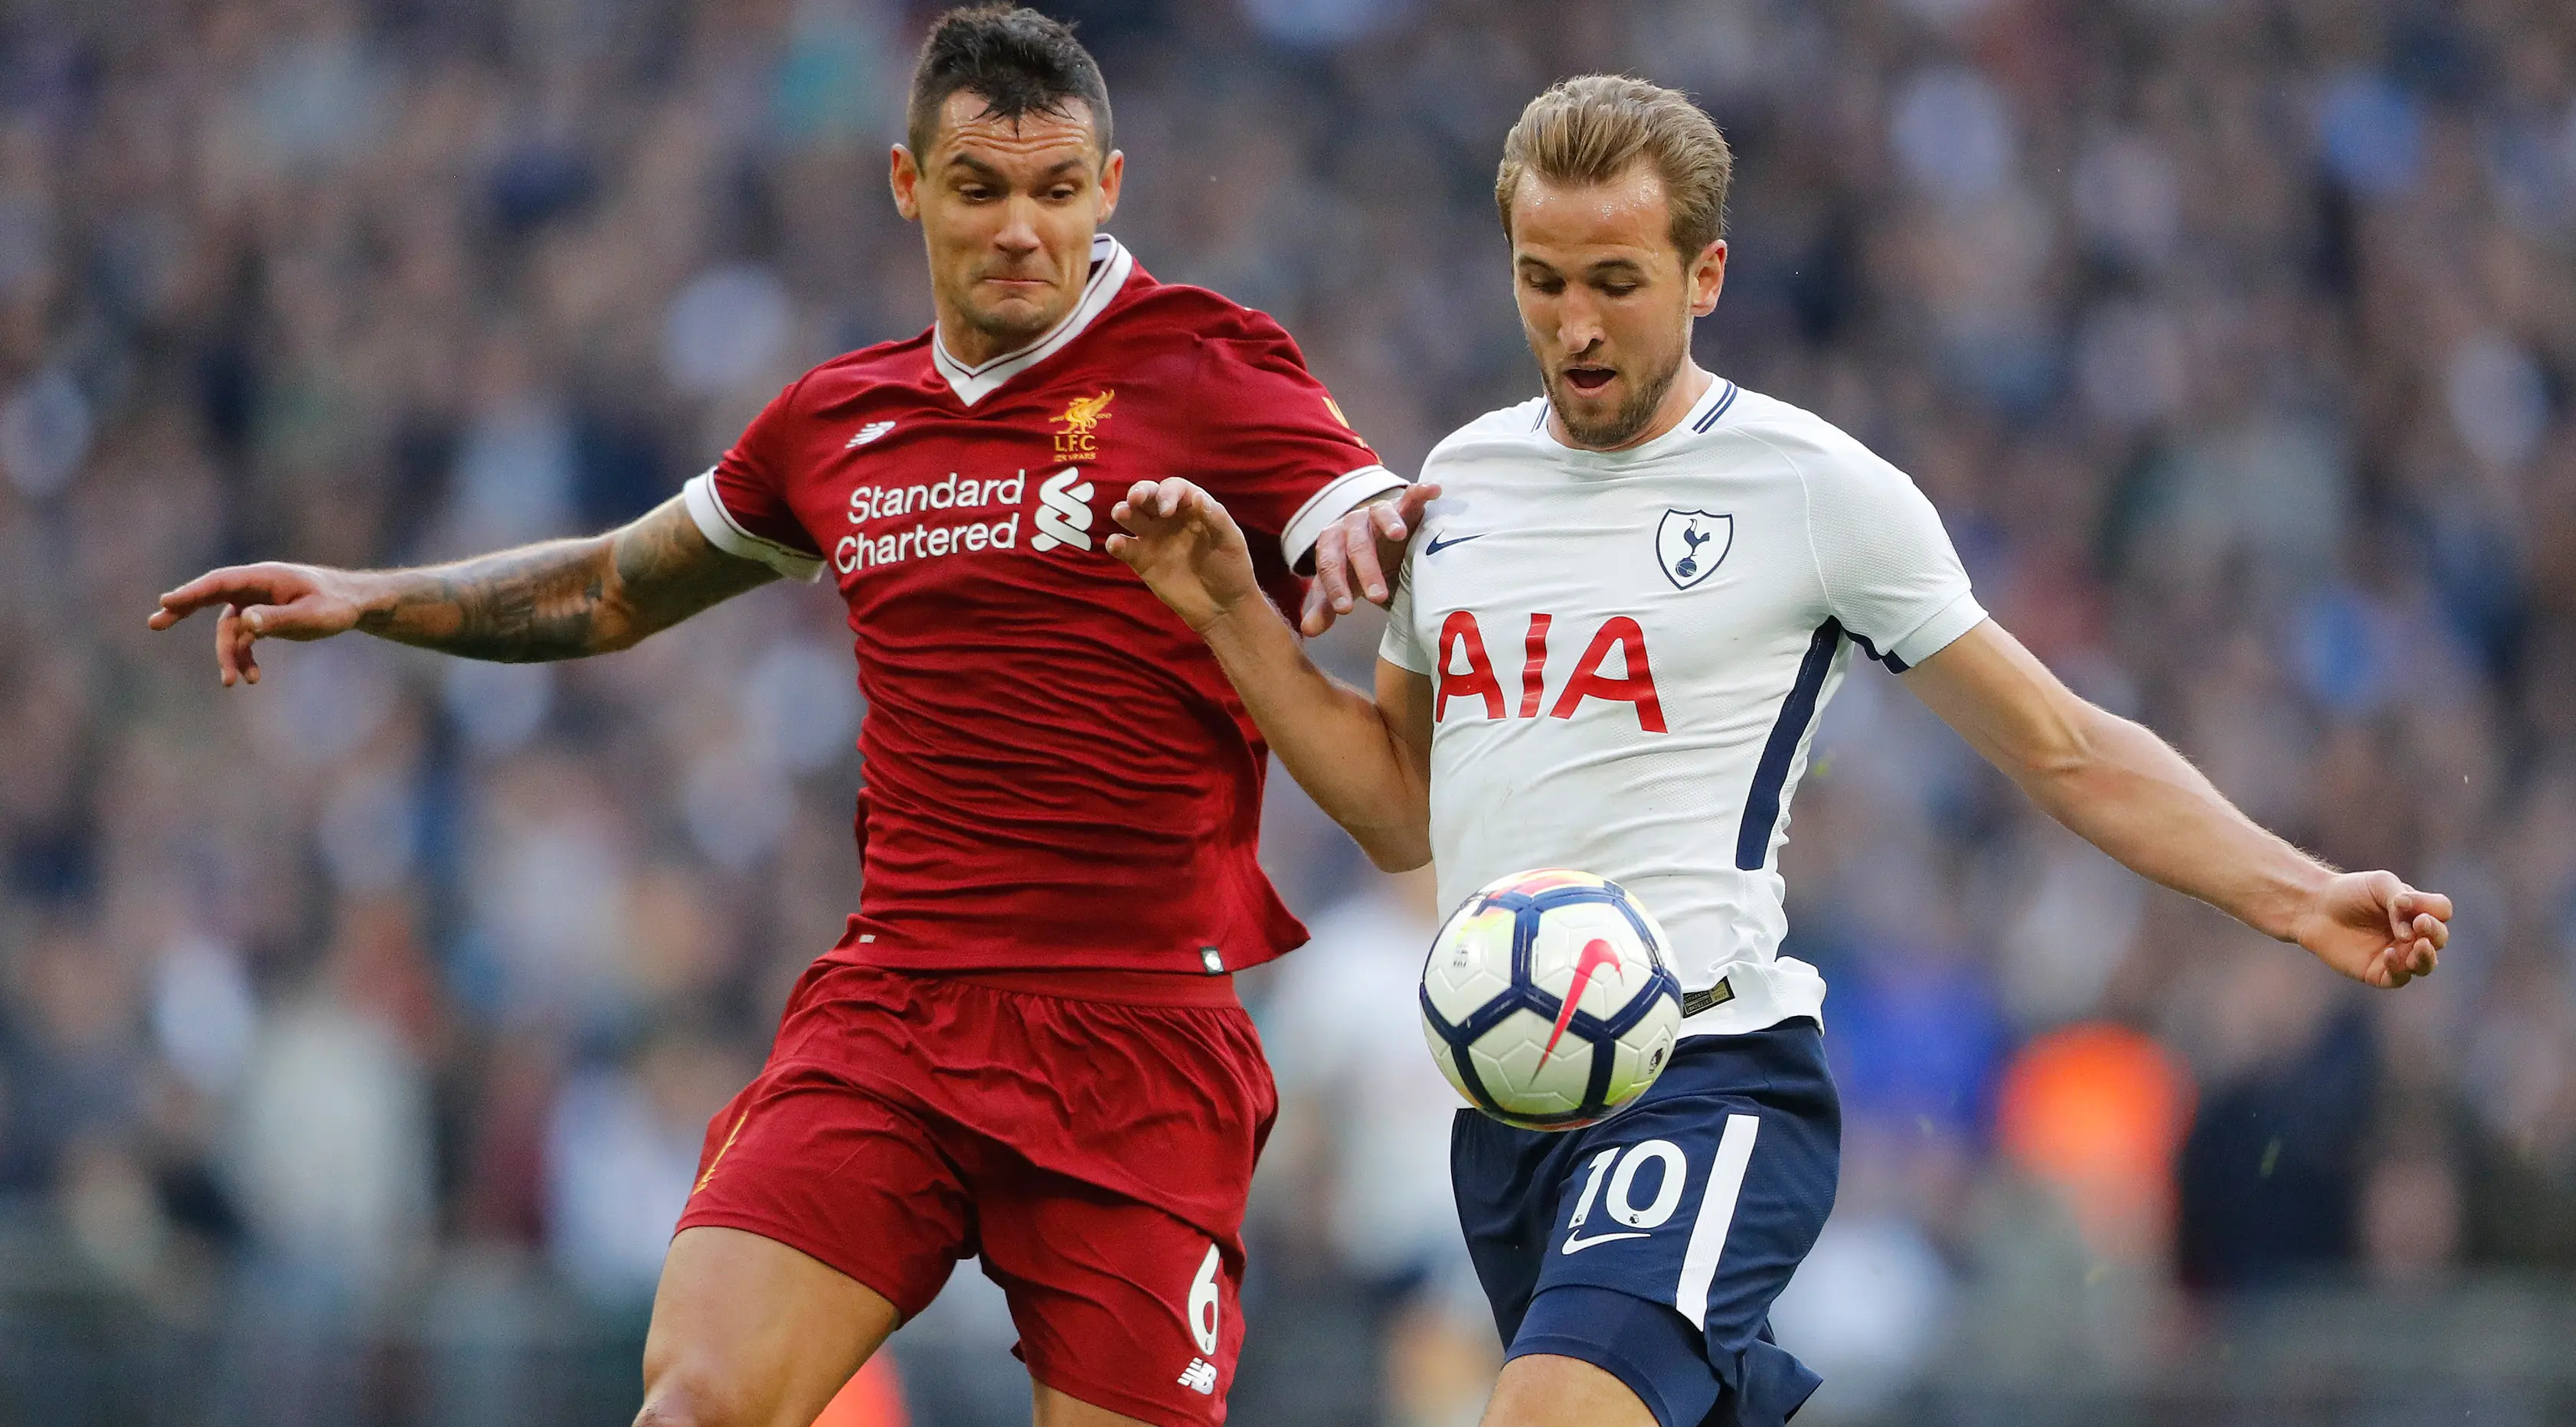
(1716, 1216)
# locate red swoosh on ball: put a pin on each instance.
(1596, 954)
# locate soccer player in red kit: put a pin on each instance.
(1026, 1046)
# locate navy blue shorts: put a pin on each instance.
(1652, 1245)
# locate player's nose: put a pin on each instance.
(1578, 329)
(1018, 233)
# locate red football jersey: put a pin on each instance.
(1058, 774)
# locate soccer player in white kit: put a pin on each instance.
(1606, 650)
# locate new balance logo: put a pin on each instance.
(868, 433)
(1199, 1376)
(1064, 511)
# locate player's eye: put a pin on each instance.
(1619, 289)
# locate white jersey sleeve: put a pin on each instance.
(1402, 645)
(1889, 572)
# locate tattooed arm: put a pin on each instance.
(558, 600)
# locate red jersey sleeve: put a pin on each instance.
(1271, 444)
(740, 503)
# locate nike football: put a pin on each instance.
(1547, 1001)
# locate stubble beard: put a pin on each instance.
(1007, 325)
(1011, 330)
(1627, 423)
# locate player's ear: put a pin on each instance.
(905, 179)
(1112, 174)
(1707, 278)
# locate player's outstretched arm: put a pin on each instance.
(558, 600)
(1366, 762)
(2126, 791)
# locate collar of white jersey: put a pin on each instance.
(1111, 264)
(1702, 418)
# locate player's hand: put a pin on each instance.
(2375, 929)
(266, 601)
(1360, 552)
(1186, 549)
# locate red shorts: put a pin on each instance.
(1094, 1152)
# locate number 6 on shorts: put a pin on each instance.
(1203, 1303)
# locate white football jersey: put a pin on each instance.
(1628, 650)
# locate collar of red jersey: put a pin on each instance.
(1110, 265)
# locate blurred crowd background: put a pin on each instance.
(357, 1031)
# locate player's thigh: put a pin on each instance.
(1652, 1246)
(824, 1214)
(1544, 1390)
(1051, 1408)
(1123, 1308)
(1604, 1351)
(748, 1332)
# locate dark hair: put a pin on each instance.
(1017, 60)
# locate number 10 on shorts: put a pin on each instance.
(1611, 1180)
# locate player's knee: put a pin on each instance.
(677, 1397)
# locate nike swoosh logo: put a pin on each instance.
(1596, 954)
(1437, 544)
(1576, 1243)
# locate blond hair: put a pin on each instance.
(1594, 127)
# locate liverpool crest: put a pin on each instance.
(1690, 543)
(1079, 440)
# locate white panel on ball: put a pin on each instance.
(1515, 1054)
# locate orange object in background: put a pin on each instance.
(2099, 1112)
(872, 1398)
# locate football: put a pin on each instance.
(1547, 1000)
